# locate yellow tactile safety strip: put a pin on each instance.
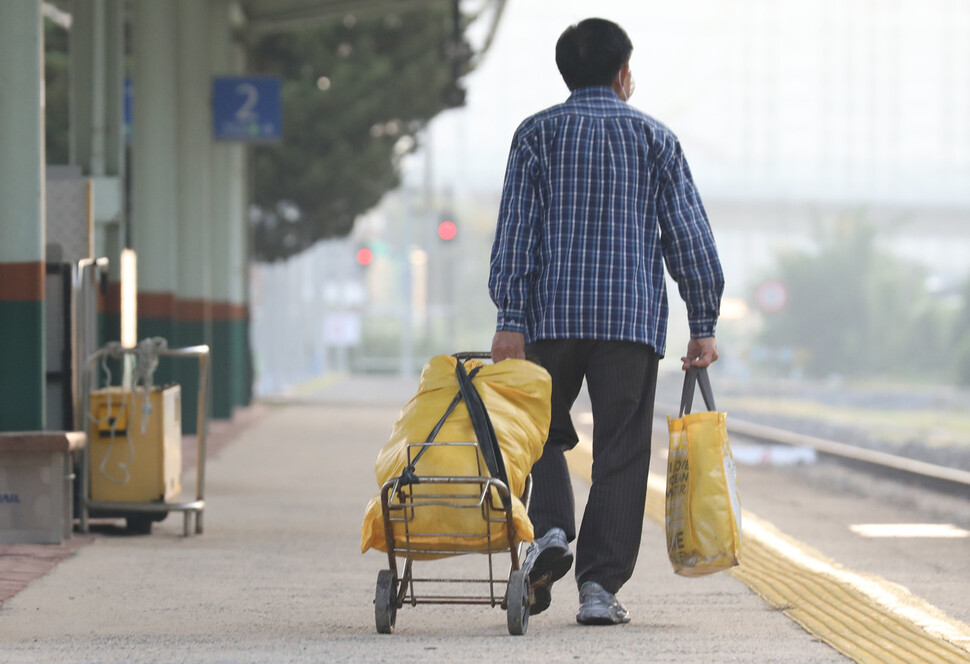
(865, 617)
(316, 384)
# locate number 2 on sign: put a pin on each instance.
(245, 112)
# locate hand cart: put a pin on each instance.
(139, 512)
(483, 493)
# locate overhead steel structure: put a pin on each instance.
(171, 193)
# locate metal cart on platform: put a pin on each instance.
(139, 514)
(489, 496)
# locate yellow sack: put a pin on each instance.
(517, 395)
(703, 508)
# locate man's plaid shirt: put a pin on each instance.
(597, 196)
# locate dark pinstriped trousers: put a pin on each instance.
(621, 378)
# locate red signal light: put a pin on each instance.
(365, 256)
(447, 230)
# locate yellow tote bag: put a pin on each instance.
(703, 508)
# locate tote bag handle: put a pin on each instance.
(696, 376)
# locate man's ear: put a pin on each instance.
(621, 76)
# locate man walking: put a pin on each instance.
(597, 197)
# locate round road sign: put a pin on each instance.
(771, 296)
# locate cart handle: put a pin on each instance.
(473, 355)
(486, 355)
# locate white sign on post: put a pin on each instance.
(341, 329)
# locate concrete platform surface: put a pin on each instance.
(278, 575)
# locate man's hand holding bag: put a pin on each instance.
(703, 509)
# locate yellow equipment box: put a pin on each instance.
(135, 447)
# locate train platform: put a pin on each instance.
(278, 576)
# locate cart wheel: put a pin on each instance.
(140, 525)
(518, 603)
(385, 601)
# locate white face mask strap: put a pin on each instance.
(629, 79)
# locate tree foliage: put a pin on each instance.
(355, 94)
(857, 310)
(56, 92)
(961, 337)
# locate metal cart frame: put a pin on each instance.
(189, 508)
(399, 505)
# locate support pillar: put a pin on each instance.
(224, 373)
(239, 261)
(194, 291)
(240, 251)
(230, 265)
(154, 216)
(113, 238)
(98, 132)
(22, 238)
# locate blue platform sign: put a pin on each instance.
(247, 108)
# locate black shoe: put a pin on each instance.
(597, 606)
(547, 560)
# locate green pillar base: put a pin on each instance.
(239, 350)
(23, 378)
(191, 333)
(224, 371)
(249, 373)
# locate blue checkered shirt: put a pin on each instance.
(597, 196)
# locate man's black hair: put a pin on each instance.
(592, 52)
